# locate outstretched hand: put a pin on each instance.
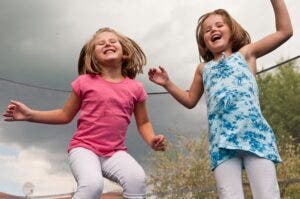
(158, 143)
(16, 111)
(158, 75)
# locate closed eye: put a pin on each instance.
(208, 30)
(113, 41)
(101, 43)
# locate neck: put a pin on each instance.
(218, 55)
(111, 73)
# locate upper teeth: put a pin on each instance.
(215, 37)
(109, 51)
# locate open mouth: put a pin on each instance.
(107, 51)
(215, 37)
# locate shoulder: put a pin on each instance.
(200, 68)
(84, 77)
(137, 88)
(134, 82)
(83, 80)
(247, 52)
(249, 57)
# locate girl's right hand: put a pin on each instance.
(159, 76)
(17, 111)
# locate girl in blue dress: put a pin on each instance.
(239, 136)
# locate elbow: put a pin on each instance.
(191, 103)
(66, 120)
(190, 106)
(288, 33)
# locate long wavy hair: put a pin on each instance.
(239, 36)
(133, 56)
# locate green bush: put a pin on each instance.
(183, 171)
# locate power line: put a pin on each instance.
(34, 86)
(275, 66)
(149, 93)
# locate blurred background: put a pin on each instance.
(39, 46)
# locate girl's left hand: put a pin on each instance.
(158, 143)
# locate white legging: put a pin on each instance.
(261, 173)
(89, 169)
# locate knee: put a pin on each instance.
(134, 185)
(90, 189)
(229, 192)
(136, 178)
(268, 192)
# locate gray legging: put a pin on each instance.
(261, 174)
(89, 169)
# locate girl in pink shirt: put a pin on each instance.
(106, 94)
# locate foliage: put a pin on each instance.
(280, 99)
(183, 171)
(289, 169)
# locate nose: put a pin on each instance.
(107, 44)
(213, 29)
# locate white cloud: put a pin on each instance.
(32, 165)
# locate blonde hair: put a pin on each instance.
(133, 56)
(239, 36)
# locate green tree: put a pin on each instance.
(183, 171)
(280, 99)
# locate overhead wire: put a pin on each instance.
(149, 93)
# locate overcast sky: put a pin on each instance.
(39, 45)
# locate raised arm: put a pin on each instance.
(17, 111)
(156, 142)
(187, 98)
(283, 32)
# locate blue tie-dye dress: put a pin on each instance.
(234, 116)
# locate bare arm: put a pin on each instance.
(17, 111)
(187, 98)
(156, 142)
(270, 42)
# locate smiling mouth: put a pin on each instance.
(215, 38)
(109, 51)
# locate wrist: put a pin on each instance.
(30, 116)
(168, 84)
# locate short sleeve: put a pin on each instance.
(141, 94)
(76, 86)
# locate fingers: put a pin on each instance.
(160, 148)
(9, 115)
(9, 119)
(151, 74)
(159, 143)
(152, 71)
(10, 110)
(162, 69)
(16, 103)
(12, 106)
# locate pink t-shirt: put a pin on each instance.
(105, 112)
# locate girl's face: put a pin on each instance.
(108, 49)
(216, 34)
